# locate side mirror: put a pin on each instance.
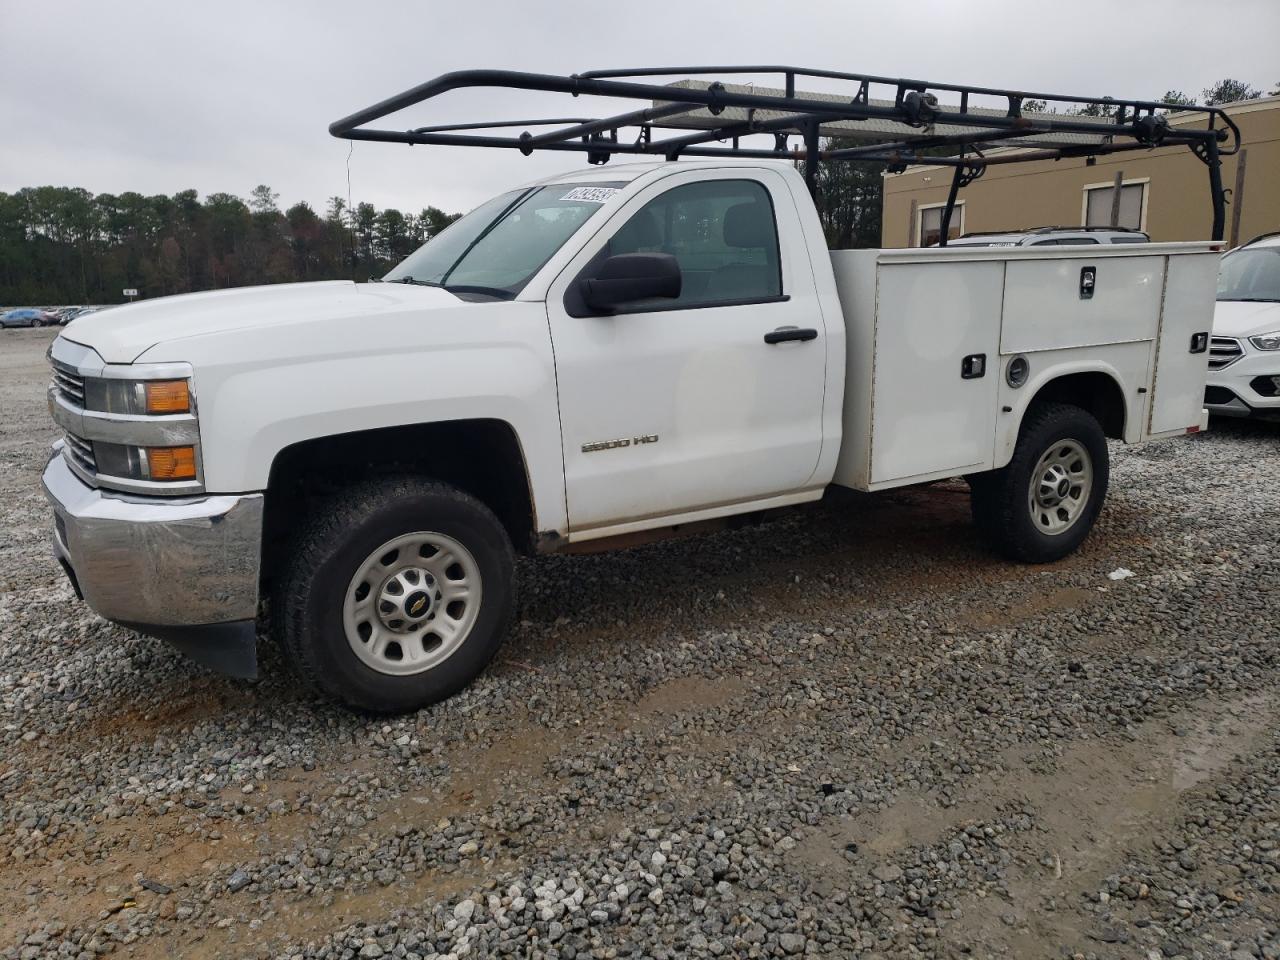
(628, 277)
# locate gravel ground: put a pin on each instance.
(845, 732)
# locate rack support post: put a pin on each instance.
(1219, 195)
(811, 150)
(956, 177)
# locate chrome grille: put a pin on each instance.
(1224, 351)
(69, 383)
(81, 452)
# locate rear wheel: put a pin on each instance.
(37, 322)
(397, 594)
(1042, 505)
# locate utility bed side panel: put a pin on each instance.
(928, 412)
(911, 415)
(1178, 387)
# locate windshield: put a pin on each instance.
(1252, 274)
(497, 248)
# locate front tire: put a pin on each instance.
(397, 594)
(1042, 505)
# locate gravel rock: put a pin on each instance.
(238, 881)
(888, 873)
(465, 910)
(791, 943)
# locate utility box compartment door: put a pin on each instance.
(937, 339)
(1080, 302)
(1182, 357)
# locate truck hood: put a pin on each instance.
(122, 334)
(1243, 318)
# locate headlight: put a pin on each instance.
(137, 397)
(1267, 341)
(131, 428)
(155, 464)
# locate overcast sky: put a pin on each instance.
(220, 96)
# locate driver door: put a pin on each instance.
(673, 407)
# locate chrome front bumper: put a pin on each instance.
(183, 569)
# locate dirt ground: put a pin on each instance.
(916, 748)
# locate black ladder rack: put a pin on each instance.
(893, 129)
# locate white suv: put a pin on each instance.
(1244, 355)
(1051, 237)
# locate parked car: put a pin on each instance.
(1051, 236)
(1244, 354)
(26, 317)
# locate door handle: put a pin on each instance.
(973, 366)
(784, 334)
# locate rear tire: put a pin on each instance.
(396, 595)
(1042, 505)
(37, 323)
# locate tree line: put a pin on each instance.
(63, 245)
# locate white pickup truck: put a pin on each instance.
(605, 354)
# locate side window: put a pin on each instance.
(1045, 243)
(1076, 241)
(722, 232)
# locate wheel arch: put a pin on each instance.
(1092, 386)
(483, 457)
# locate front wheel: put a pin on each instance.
(1042, 505)
(397, 594)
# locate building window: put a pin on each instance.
(1133, 204)
(929, 227)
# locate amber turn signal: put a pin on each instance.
(168, 396)
(172, 463)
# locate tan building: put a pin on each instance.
(1164, 191)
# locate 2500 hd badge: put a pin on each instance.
(615, 444)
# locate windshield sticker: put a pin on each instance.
(590, 194)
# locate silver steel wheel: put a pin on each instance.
(412, 603)
(1060, 487)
